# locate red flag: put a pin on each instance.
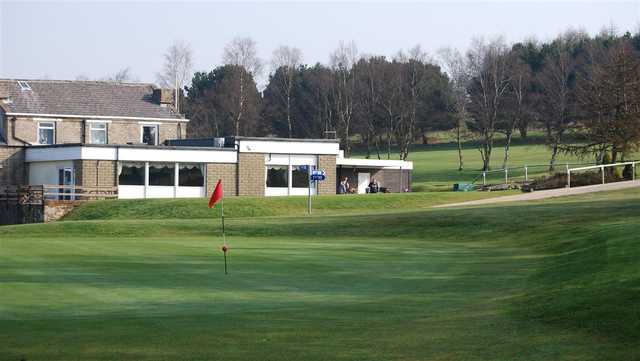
(216, 195)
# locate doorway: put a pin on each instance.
(65, 179)
(363, 182)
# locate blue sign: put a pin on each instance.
(318, 175)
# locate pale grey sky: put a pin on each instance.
(61, 40)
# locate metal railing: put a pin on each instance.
(21, 194)
(524, 170)
(78, 193)
(602, 167)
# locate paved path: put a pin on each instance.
(552, 193)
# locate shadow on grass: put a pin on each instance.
(589, 283)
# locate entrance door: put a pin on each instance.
(363, 182)
(65, 178)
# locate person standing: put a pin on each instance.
(343, 187)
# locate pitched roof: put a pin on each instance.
(85, 98)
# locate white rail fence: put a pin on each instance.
(602, 167)
(525, 170)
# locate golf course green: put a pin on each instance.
(548, 280)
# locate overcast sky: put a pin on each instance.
(62, 40)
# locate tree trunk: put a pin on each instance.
(289, 113)
(507, 146)
(241, 105)
(523, 129)
(554, 155)
(485, 151)
(367, 142)
(389, 135)
(459, 141)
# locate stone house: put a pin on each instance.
(128, 137)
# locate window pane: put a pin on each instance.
(300, 176)
(98, 133)
(149, 134)
(46, 133)
(278, 176)
(161, 174)
(191, 175)
(131, 174)
(45, 136)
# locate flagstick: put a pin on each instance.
(225, 263)
(224, 239)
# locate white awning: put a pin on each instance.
(374, 163)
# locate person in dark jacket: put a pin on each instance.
(374, 186)
(343, 187)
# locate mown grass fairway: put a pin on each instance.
(554, 280)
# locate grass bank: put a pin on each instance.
(241, 207)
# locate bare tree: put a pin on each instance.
(608, 93)
(342, 61)
(489, 64)
(557, 81)
(519, 81)
(370, 116)
(285, 63)
(242, 52)
(122, 76)
(457, 68)
(176, 71)
(413, 71)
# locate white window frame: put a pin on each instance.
(53, 127)
(156, 125)
(106, 131)
(24, 86)
(290, 161)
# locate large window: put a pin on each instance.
(278, 176)
(150, 134)
(98, 133)
(191, 175)
(300, 176)
(162, 174)
(131, 174)
(46, 132)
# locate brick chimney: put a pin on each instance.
(164, 97)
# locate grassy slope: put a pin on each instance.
(542, 281)
(272, 206)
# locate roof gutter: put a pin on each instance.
(182, 120)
